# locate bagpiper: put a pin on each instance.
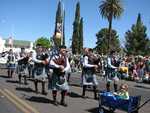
(89, 67)
(112, 71)
(22, 66)
(40, 60)
(11, 61)
(61, 66)
(30, 64)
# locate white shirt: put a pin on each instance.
(66, 69)
(85, 62)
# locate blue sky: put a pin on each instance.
(30, 19)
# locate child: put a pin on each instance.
(123, 93)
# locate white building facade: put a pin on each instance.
(16, 45)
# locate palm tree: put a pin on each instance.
(110, 9)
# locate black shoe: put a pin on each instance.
(55, 103)
(83, 96)
(44, 92)
(63, 104)
(95, 96)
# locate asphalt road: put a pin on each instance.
(76, 104)
(6, 106)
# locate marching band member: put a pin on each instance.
(11, 63)
(22, 65)
(89, 72)
(30, 64)
(39, 71)
(112, 67)
(61, 66)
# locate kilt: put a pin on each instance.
(11, 66)
(89, 78)
(58, 82)
(22, 70)
(113, 75)
(39, 73)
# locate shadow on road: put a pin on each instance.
(39, 99)
(12, 81)
(74, 95)
(3, 76)
(93, 110)
(25, 89)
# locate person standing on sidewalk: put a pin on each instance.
(61, 66)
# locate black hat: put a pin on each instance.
(62, 47)
(90, 50)
(112, 52)
(22, 48)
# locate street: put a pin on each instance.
(76, 104)
(6, 106)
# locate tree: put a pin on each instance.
(64, 29)
(43, 41)
(81, 36)
(102, 42)
(137, 42)
(77, 37)
(110, 9)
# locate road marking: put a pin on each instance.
(23, 103)
(14, 102)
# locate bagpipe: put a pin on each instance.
(60, 60)
(23, 61)
(94, 60)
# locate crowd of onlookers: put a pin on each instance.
(138, 68)
(135, 68)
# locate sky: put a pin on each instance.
(31, 19)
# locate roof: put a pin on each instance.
(19, 43)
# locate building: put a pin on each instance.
(6, 44)
(2, 43)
